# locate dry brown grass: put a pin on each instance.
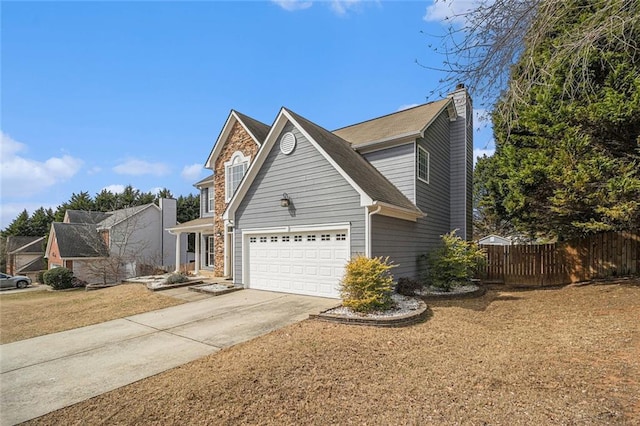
(36, 313)
(543, 357)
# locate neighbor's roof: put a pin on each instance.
(79, 240)
(367, 177)
(24, 244)
(409, 122)
(36, 265)
(118, 216)
(84, 216)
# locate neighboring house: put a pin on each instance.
(25, 256)
(114, 245)
(495, 240)
(292, 202)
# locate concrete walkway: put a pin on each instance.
(50, 372)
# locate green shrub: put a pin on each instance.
(367, 284)
(40, 277)
(176, 278)
(454, 263)
(58, 278)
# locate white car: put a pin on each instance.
(14, 281)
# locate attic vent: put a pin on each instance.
(287, 143)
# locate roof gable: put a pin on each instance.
(372, 186)
(78, 240)
(402, 125)
(84, 216)
(118, 216)
(256, 129)
(24, 244)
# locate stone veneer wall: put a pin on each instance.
(238, 140)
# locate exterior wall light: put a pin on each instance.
(285, 201)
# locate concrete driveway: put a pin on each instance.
(50, 372)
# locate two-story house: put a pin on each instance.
(289, 204)
(114, 245)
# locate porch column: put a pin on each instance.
(178, 235)
(196, 269)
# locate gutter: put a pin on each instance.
(368, 226)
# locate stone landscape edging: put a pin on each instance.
(214, 292)
(411, 318)
(480, 291)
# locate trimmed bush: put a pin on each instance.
(40, 277)
(407, 286)
(367, 284)
(58, 278)
(454, 263)
(177, 278)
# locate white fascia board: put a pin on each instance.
(194, 228)
(399, 212)
(224, 134)
(436, 115)
(365, 199)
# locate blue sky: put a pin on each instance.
(107, 94)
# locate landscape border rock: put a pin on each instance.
(480, 291)
(202, 289)
(413, 317)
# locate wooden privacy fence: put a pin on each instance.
(597, 256)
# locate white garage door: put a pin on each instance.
(310, 263)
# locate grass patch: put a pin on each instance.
(36, 313)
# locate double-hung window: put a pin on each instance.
(422, 165)
(208, 200)
(234, 170)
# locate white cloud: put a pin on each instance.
(140, 167)
(449, 10)
(342, 7)
(192, 172)
(24, 177)
(114, 189)
(407, 106)
(293, 5)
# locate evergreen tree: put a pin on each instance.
(20, 225)
(188, 208)
(105, 201)
(40, 222)
(567, 161)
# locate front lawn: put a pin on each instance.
(538, 357)
(35, 313)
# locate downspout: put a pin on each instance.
(368, 226)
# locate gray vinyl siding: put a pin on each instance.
(397, 165)
(318, 193)
(461, 169)
(405, 241)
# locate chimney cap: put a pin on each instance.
(459, 86)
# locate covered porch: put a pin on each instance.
(202, 229)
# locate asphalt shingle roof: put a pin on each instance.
(27, 244)
(257, 128)
(367, 177)
(408, 122)
(79, 240)
(85, 216)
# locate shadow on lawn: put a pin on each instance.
(477, 304)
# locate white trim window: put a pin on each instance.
(234, 170)
(422, 166)
(211, 200)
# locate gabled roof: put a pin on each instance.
(373, 187)
(118, 216)
(78, 240)
(406, 124)
(84, 216)
(203, 182)
(256, 129)
(35, 265)
(367, 177)
(24, 244)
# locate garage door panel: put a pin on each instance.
(303, 262)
